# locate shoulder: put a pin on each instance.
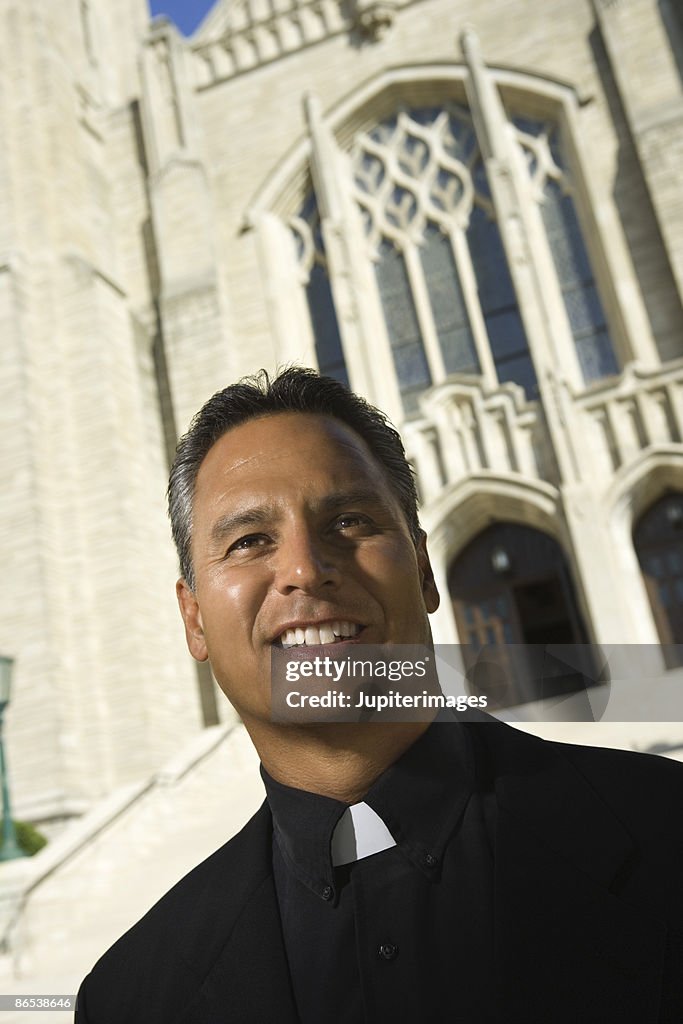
(634, 783)
(640, 789)
(643, 792)
(636, 764)
(604, 766)
(179, 938)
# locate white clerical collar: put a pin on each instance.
(359, 833)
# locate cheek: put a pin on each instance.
(389, 573)
(391, 561)
(231, 604)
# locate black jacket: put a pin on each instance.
(588, 905)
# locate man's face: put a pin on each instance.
(297, 536)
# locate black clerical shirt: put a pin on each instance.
(404, 934)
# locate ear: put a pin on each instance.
(429, 590)
(192, 617)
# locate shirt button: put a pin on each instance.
(327, 893)
(388, 951)
(430, 861)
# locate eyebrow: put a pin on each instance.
(233, 522)
(260, 515)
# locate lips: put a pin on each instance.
(319, 634)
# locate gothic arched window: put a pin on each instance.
(433, 244)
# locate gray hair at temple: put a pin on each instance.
(295, 389)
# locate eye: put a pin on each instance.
(350, 520)
(251, 542)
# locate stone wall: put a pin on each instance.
(146, 185)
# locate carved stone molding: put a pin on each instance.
(374, 18)
(257, 33)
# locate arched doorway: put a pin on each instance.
(512, 596)
(658, 540)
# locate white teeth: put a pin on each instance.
(326, 635)
(314, 636)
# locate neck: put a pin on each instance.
(337, 760)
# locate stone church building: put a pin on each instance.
(472, 212)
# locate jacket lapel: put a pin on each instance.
(567, 948)
(250, 981)
(246, 975)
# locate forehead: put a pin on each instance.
(290, 446)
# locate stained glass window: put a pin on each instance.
(328, 344)
(412, 369)
(448, 303)
(315, 275)
(547, 168)
(499, 307)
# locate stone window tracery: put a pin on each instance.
(419, 185)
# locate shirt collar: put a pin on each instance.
(358, 834)
(303, 823)
(420, 798)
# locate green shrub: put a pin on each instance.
(30, 840)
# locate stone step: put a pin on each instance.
(117, 869)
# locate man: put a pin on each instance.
(405, 871)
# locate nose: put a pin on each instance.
(304, 562)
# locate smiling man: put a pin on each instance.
(397, 871)
(298, 538)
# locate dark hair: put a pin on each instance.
(295, 389)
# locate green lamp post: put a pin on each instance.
(10, 847)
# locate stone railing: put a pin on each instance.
(465, 430)
(644, 408)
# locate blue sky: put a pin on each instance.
(185, 13)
